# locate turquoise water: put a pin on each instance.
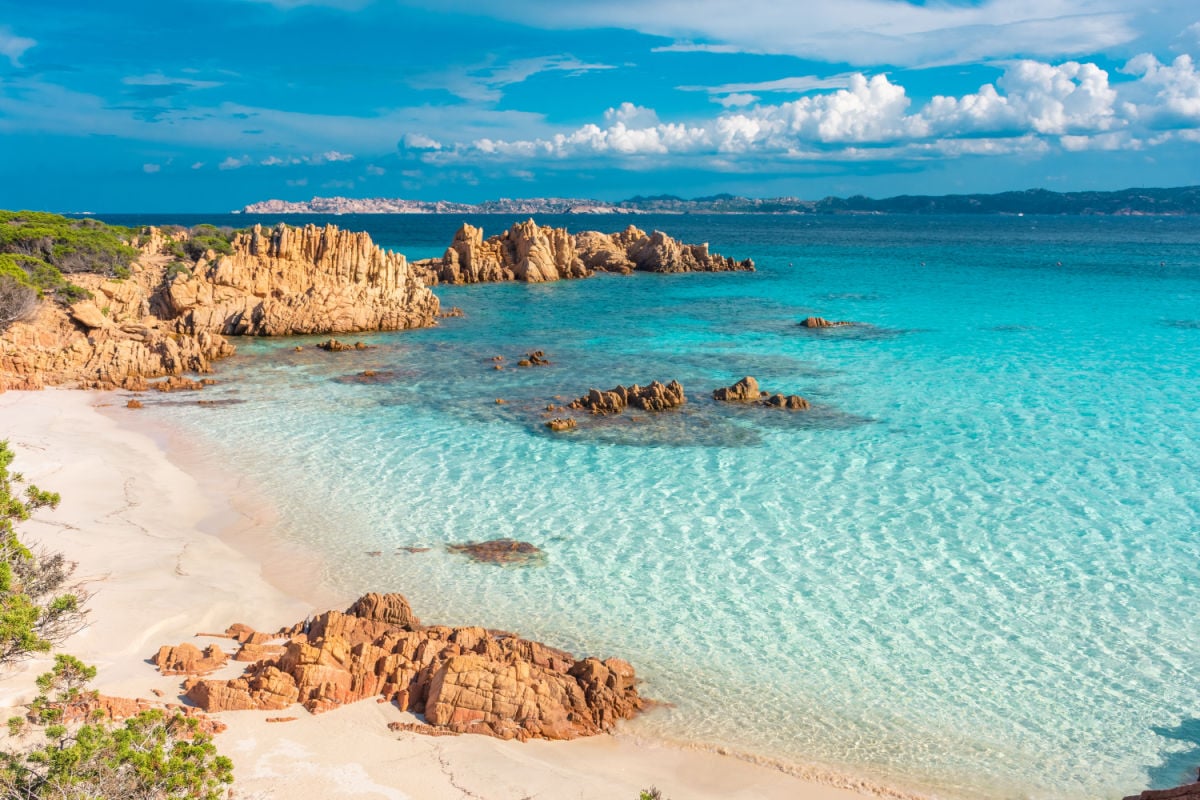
(973, 569)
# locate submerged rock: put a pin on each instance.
(177, 383)
(368, 376)
(464, 680)
(509, 552)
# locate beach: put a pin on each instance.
(143, 528)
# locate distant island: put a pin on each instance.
(1126, 202)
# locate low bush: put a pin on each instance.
(177, 268)
(37, 609)
(209, 237)
(154, 755)
(69, 245)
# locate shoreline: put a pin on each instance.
(169, 544)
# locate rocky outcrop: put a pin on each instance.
(821, 322)
(789, 402)
(535, 359)
(90, 706)
(464, 680)
(527, 252)
(744, 391)
(286, 280)
(655, 397)
(1189, 791)
(747, 391)
(164, 321)
(122, 351)
(187, 659)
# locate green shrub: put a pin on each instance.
(177, 268)
(35, 609)
(69, 245)
(18, 301)
(70, 293)
(209, 237)
(151, 756)
(176, 249)
(37, 276)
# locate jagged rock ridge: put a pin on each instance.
(288, 280)
(165, 321)
(532, 253)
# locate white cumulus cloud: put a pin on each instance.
(1032, 108)
(1170, 93)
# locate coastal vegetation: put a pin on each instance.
(68, 245)
(38, 250)
(199, 240)
(65, 746)
(37, 611)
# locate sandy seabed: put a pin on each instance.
(166, 552)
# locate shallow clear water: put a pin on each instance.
(972, 569)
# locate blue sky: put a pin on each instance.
(207, 106)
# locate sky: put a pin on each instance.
(125, 105)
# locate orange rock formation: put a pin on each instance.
(163, 322)
(464, 680)
(532, 253)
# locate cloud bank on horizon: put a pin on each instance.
(205, 106)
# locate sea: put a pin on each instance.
(970, 570)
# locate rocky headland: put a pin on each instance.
(171, 313)
(463, 680)
(534, 254)
(1124, 202)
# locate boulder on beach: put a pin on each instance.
(463, 680)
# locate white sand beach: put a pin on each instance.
(141, 528)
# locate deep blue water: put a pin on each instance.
(972, 569)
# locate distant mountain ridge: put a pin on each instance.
(1183, 200)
